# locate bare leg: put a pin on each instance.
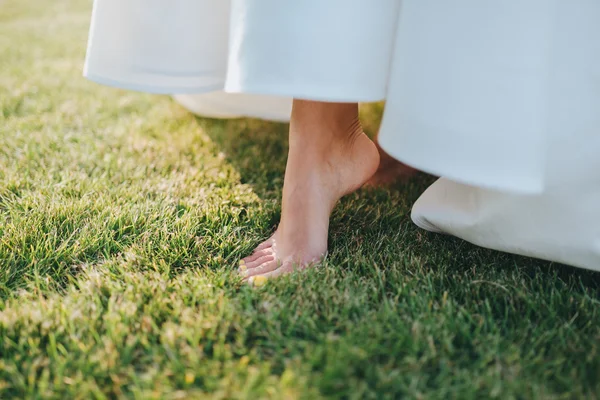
(329, 157)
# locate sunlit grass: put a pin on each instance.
(122, 217)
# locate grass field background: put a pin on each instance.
(122, 218)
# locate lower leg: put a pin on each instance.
(329, 157)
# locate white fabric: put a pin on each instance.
(469, 90)
(470, 76)
(159, 46)
(495, 96)
(563, 223)
(235, 105)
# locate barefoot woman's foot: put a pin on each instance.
(390, 170)
(329, 157)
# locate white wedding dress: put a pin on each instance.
(500, 98)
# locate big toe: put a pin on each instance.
(256, 255)
(262, 269)
(261, 279)
(258, 262)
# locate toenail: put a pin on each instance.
(258, 281)
(242, 262)
(243, 267)
(244, 273)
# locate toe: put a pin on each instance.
(259, 261)
(264, 245)
(260, 280)
(257, 281)
(261, 269)
(256, 255)
(286, 268)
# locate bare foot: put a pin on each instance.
(390, 170)
(329, 157)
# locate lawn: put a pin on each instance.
(123, 217)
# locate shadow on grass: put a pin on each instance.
(256, 149)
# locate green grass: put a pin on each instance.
(122, 217)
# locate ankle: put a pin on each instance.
(325, 138)
(313, 121)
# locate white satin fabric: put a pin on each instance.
(562, 223)
(236, 105)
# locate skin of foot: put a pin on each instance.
(389, 171)
(329, 156)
